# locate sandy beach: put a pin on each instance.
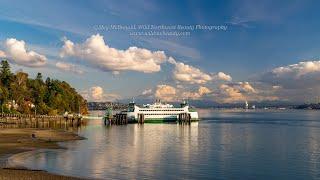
(13, 141)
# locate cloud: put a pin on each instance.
(248, 12)
(175, 94)
(298, 70)
(147, 92)
(229, 93)
(16, 52)
(69, 67)
(237, 21)
(97, 94)
(192, 75)
(305, 74)
(225, 93)
(67, 48)
(201, 92)
(166, 93)
(2, 54)
(222, 76)
(241, 91)
(173, 47)
(296, 82)
(98, 54)
(245, 86)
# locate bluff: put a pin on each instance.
(21, 94)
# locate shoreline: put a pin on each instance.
(14, 141)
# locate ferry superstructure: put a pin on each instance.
(160, 112)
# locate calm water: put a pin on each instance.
(225, 145)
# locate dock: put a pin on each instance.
(184, 118)
(117, 119)
(44, 121)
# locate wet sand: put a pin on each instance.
(13, 141)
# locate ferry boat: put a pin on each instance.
(160, 112)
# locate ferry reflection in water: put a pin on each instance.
(225, 145)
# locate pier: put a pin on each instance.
(118, 119)
(140, 118)
(184, 118)
(37, 121)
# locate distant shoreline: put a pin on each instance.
(14, 141)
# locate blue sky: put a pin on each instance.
(261, 36)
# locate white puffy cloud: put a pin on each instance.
(192, 75)
(225, 93)
(166, 93)
(202, 91)
(298, 70)
(245, 86)
(296, 82)
(296, 76)
(237, 91)
(241, 91)
(174, 94)
(67, 48)
(98, 54)
(69, 67)
(229, 93)
(222, 76)
(17, 52)
(96, 93)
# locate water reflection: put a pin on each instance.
(228, 145)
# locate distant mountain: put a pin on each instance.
(309, 106)
(212, 104)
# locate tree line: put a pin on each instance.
(21, 94)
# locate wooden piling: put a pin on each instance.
(184, 118)
(140, 118)
(117, 119)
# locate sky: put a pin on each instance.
(226, 51)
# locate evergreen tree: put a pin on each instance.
(39, 77)
(49, 97)
(5, 73)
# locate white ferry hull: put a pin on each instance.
(159, 113)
